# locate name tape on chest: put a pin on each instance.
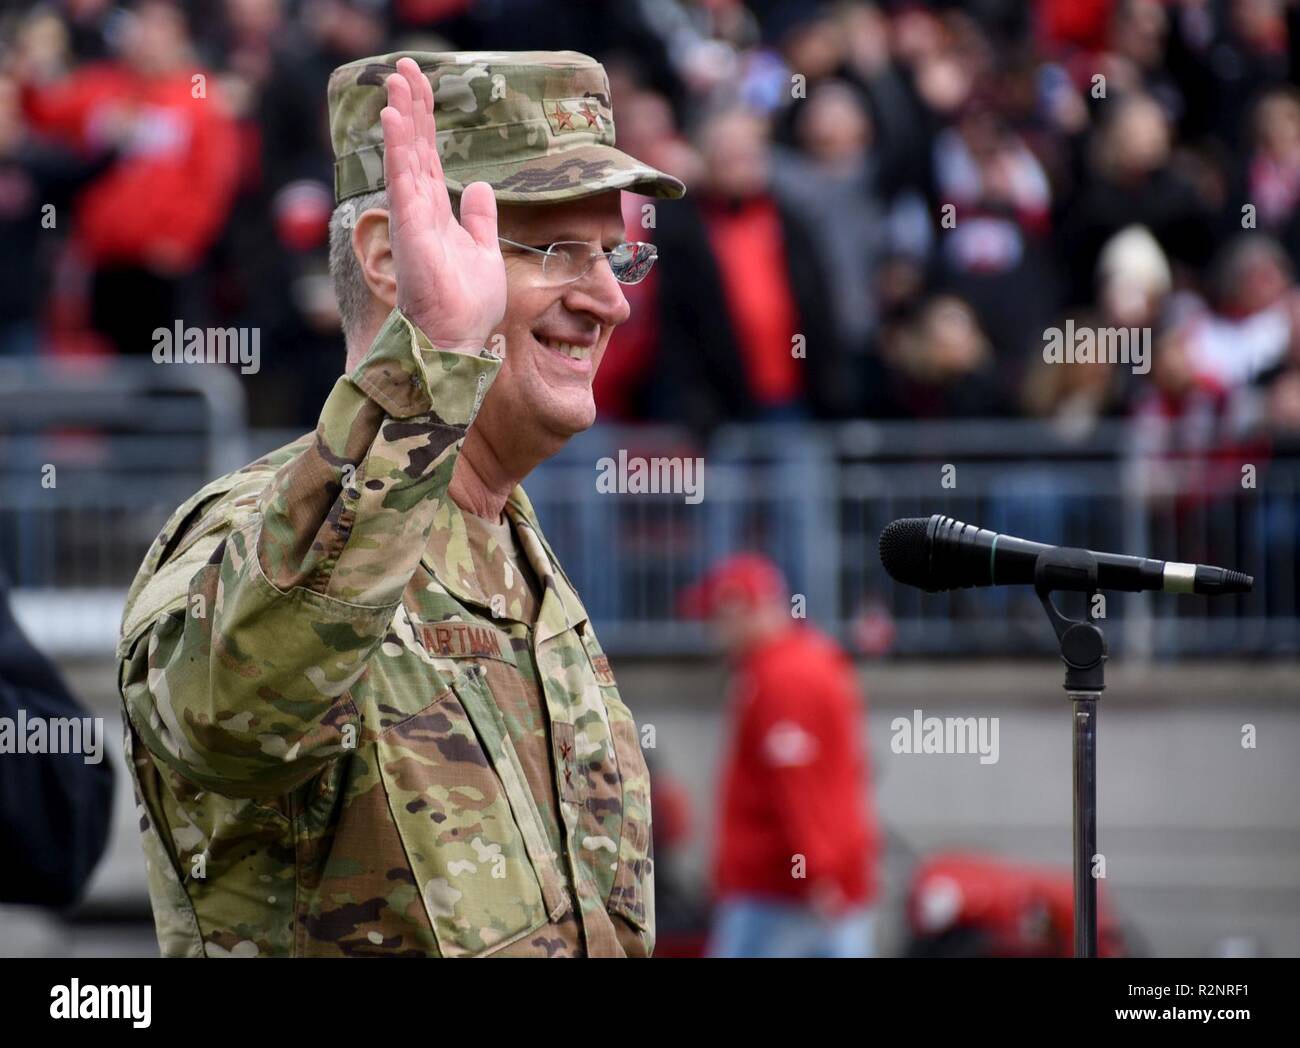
(462, 640)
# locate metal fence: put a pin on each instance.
(816, 500)
(94, 456)
(130, 442)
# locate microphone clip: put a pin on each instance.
(1083, 645)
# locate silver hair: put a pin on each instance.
(350, 290)
(354, 298)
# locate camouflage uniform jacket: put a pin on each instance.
(326, 709)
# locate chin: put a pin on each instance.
(569, 421)
(553, 415)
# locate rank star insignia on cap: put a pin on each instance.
(537, 126)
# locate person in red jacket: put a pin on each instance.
(147, 222)
(795, 867)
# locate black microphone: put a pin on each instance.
(944, 554)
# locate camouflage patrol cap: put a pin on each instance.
(537, 126)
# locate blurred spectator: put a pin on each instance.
(1249, 330)
(1186, 443)
(89, 23)
(1230, 52)
(1133, 279)
(994, 242)
(55, 807)
(745, 317)
(35, 176)
(1271, 176)
(146, 223)
(1073, 23)
(834, 145)
(1282, 411)
(1134, 60)
(275, 68)
(1130, 182)
(1073, 396)
(1183, 412)
(795, 868)
(646, 128)
(971, 905)
(837, 182)
(940, 366)
(1134, 282)
(291, 107)
(1274, 169)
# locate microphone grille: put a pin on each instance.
(903, 553)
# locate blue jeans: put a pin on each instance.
(747, 926)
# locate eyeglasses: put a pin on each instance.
(568, 260)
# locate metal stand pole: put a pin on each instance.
(1085, 821)
(1083, 650)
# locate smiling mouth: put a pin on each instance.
(571, 350)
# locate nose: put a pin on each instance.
(598, 293)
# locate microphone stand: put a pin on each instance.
(1083, 650)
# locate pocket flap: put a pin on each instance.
(458, 824)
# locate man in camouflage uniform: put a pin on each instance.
(366, 711)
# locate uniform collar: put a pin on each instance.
(448, 559)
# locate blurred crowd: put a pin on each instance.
(889, 204)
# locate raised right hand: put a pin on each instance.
(451, 279)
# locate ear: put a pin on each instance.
(374, 253)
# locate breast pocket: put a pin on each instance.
(470, 832)
(632, 896)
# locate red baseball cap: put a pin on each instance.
(743, 578)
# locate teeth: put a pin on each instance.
(569, 349)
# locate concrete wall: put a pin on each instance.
(1201, 836)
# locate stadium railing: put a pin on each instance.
(94, 455)
(130, 441)
(816, 499)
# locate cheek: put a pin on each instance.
(526, 305)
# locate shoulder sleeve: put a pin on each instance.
(240, 648)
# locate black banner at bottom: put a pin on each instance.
(664, 999)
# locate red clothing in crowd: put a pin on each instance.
(629, 358)
(1193, 431)
(170, 190)
(750, 248)
(1073, 23)
(797, 781)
